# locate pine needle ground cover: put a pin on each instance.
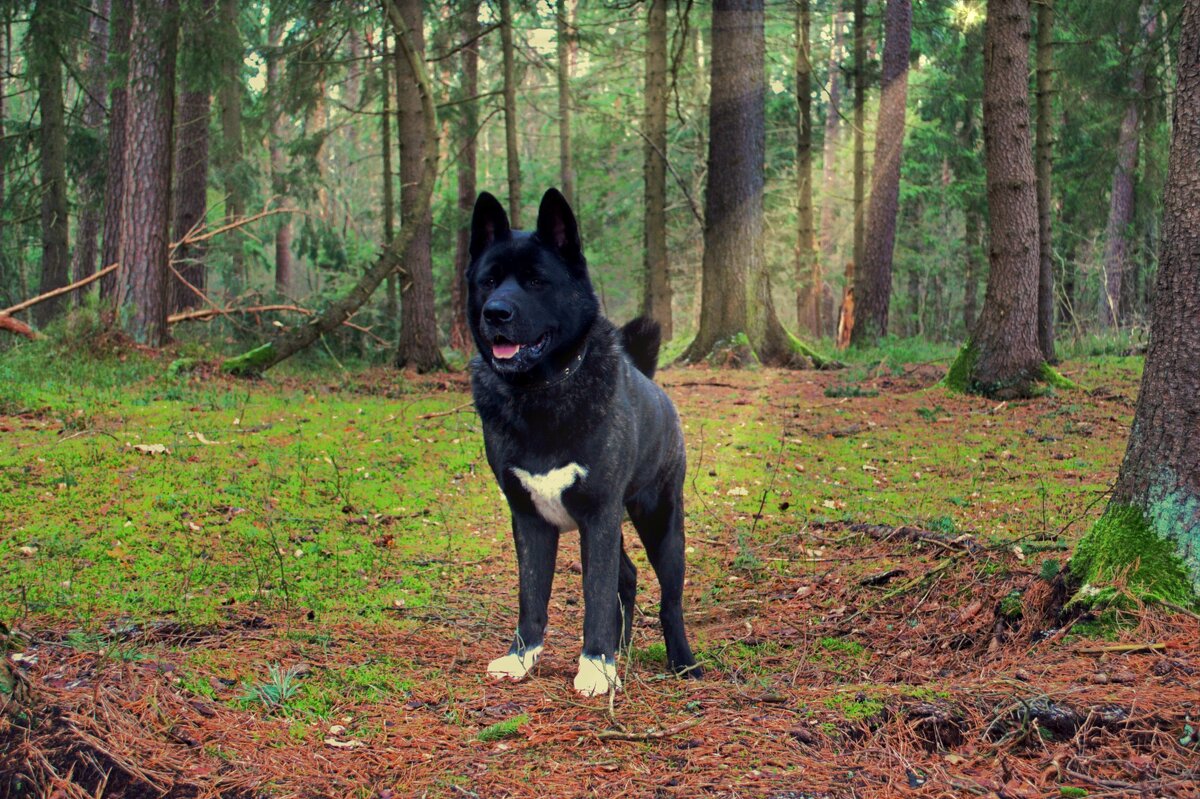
(292, 587)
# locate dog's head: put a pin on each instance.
(529, 300)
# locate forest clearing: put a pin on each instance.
(292, 588)
(301, 384)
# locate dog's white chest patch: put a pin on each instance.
(547, 489)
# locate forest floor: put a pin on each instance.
(292, 588)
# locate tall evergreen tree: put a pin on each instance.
(90, 181)
(418, 346)
(460, 336)
(808, 265)
(1044, 152)
(146, 210)
(1149, 535)
(44, 27)
(873, 275)
(120, 19)
(510, 113)
(1002, 357)
(656, 292)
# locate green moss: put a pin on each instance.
(1125, 543)
(958, 377)
(1055, 379)
(181, 366)
(855, 707)
(818, 361)
(251, 363)
(1068, 790)
(1012, 607)
(502, 729)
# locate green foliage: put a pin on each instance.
(503, 729)
(277, 691)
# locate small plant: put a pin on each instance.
(932, 414)
(502, 729)
(746, 560)
(280, 687)
(849, 390)
(1050, 569)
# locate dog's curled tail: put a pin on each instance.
(640, 339)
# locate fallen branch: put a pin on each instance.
(17, 326)
(648, 735)
(237, 223)
(450, 412)
(1123, 648)
(49, 295)
(209, 313)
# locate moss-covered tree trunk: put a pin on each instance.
(1002, 357)
(46, 63)
(1149, 536)
(738, 324)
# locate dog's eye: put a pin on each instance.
(535, 283)
(487, 283)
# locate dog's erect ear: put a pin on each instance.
(489, 224)
(556, 226)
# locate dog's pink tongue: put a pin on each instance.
(505, 351)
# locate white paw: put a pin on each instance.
(596, 676)
(514, 667)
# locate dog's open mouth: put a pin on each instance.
(505, 350)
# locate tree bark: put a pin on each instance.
(829, 179)
(5, 281)
(860, 122)
(146, 215)
(972, 247)
(1120, 205)
(873, 278)
(1002, 358)
(1149, 536)
(737, 314)
(232, 149)
(808, 265)
(261, 358)
(191, 167)
(120, 18)
(283, 226)
(1044, 148)
(418, 345)
(392, 300)
(510, 114)
(460, 335)
(90, 184)
(44, 61)
(564, 46)
(656, 295)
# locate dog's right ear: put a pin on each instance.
(489, 224)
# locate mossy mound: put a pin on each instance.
(252, 363)
(960, 378)
(1124, 544)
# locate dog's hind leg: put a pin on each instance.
(659, 522)
(627, 591)
(537, 548)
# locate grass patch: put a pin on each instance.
(503, 729)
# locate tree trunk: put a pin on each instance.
(191, 166)
(1121, 199)
(44, 27)
(460, 335)
(146, 216)
(1002, 358)
(510, 114)
(656, 296)
(808, 266)
(737, 315)
(1044, 147)
(230, 100)
(5, 278)
(392, 302)
(873, 287)
(829, 167)
(121, 16)
(563, 16)
(972, 247)
(90, 184)
(860, 122)
(1149, 536)
(259, 359)
(418, 346)
(283, 226)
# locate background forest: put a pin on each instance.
(294, 115)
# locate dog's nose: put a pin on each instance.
(498, 312)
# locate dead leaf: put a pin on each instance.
(152, 449)
(351, 744)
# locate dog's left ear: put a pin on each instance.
(556, 226)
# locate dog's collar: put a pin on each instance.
(562, 375)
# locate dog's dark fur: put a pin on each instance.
(576, 392)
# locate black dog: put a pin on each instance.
(577, 435)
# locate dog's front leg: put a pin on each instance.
(537, 549)
(600, 546)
